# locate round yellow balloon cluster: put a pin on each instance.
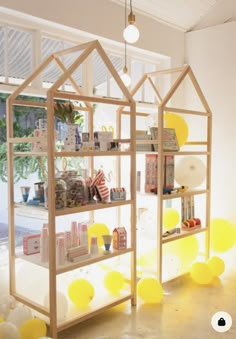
(150, 290)
(222, 235)
(175, 121)
(81, 292)
(114, 282)
(203, 273)
(170, 218)
(97, 230)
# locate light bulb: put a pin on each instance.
(125, 77)
(131, 33)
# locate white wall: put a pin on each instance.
(211, 53)
(106, 19)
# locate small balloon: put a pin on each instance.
(62, 305)
(222, 235)
(175, 121)
(114, 282)
(81, 292)
(150, 290)
(186, 249)
(33, 329)
(216, 265)
(97, 230)
(8, 331)
(190, 171)
(201, 273)
(170, 218)
(19, 315)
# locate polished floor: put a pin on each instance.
(185, 312)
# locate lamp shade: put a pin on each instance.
(131, 33)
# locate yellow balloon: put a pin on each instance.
(81, 292)
(114, 282)
(175, 121)
(216, 265)
(147, 259)
(201, 273)
(222, 235)
(150, 290)
(97, 230)
(186, 249)
(1, 319)
(170, 218)
(33, 329)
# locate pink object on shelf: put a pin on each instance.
(31, 244)
(74, 234)
(60, 251)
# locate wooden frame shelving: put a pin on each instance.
(55, 92)
(199, 147)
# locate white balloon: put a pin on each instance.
(7, 302)
(8, 331)
(19, 315)
(62, 305)
(190, 171)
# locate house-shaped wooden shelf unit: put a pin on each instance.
(68, 86)
(194, 140)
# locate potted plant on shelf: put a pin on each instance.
(66, 113)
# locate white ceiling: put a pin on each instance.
(181, 14)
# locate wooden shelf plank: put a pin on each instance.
(91, 313)
(183, 234)
(35, 259)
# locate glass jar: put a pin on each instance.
(60, 193)
(76, 191)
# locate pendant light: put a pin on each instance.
(125, 76)
(131, 32)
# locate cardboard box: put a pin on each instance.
(119, 238)
(31, 244)
(169, 171)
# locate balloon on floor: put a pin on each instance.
(33, 329)
(216, 265)
(150, 290)
(201, 273)
(8, 331)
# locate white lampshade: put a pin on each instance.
(126, 79)
(131, 33)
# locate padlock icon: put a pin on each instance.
(221, 322)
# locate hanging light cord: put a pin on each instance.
(124, 39)
(131, 7)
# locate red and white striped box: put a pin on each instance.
(31, 244)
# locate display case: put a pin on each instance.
(173, 173)
(44, 280)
